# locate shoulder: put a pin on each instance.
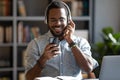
(79, 39)
(41, 38)
(82, 42)
(35, 41)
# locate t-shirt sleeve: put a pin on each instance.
(31, 55)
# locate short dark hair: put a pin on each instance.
(57, 4)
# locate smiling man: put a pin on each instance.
(65, 55)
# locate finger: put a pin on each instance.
(72, 23)
(56, 53)
(69, 28)
(49, 46)
(53, 49)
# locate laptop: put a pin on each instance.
(110, 68)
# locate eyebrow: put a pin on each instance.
(59, 18)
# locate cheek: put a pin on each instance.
(49, 25)
(66, 23)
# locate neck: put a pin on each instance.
(61, 38)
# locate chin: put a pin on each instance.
(57, 34)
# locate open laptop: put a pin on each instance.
(110, 68)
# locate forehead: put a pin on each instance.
(56, 12)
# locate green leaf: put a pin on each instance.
(117, 36)
(107, 30)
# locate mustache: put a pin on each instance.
(57, 26)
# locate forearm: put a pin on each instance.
(83, 61)
(36, 70)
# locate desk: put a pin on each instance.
(90, 79)
(50, 78)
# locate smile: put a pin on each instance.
(58, 29)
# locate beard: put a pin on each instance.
(57, 34)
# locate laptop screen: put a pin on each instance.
(110, 68)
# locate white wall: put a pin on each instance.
(107, 13)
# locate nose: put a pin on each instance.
(58, 22)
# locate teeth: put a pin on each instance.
(58, 28)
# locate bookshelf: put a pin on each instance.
(29, 22)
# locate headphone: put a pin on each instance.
(58, 1)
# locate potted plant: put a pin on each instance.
(109, 46)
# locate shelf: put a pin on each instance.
(30, 18)
(20, 68)
(42, 18)
(82, 18)
(6, 44)
(22, 44)
(6, 18)
(6, 69)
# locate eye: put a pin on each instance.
(62, 19)
(53, 20)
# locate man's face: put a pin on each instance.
(57, 21)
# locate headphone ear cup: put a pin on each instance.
(45, 16)
(45, 21)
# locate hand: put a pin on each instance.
(51, 50)
(69, 31)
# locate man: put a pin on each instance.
(68, 57)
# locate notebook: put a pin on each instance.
(110, 68)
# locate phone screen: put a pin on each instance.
(54, 40)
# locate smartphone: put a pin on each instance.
(54, 40)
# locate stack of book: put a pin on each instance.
(26, 33)
(78, 7)
(6, 34)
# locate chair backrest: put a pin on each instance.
(110, 68)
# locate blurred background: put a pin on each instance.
(23, 20)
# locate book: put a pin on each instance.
(77, 7)
(35, 32)
(1, 34)
(26, 34)
(21, 8)
(8, 34)
(85, 7)
(5, 7)
(20, 32)
(1, 8)
(21, 76)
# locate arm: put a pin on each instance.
(83, 60)
(36, 70)
(38, 64)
